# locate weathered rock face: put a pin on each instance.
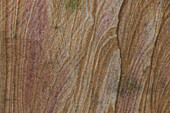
(84, 56)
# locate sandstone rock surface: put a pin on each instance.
(85, 56)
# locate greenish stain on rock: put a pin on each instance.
(130, 87)
(72, 5)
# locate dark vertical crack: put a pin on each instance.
(120, 79)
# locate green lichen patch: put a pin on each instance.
(72, 5)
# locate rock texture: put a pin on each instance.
(85, 56)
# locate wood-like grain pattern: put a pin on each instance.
(84, 56)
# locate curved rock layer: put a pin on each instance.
(84, 56)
